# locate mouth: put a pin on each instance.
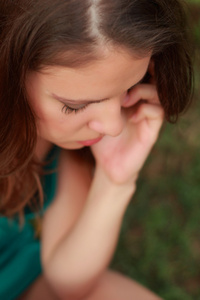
(90, 142)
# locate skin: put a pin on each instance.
(129, 128)
(108, 78)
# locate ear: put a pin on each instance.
(151, 71)
(149, 77)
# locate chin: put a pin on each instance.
(70, 146)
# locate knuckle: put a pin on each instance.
(136, 90)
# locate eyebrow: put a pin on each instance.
(78, 102)
(87, 101)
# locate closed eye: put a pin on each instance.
(68, 110)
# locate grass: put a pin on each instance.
(159, 244)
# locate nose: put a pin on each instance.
(108, 119)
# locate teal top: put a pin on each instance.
(20, 261)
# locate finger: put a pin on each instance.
(149, 112)
(146, 92)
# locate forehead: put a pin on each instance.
(102, 76)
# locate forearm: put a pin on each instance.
(84, 253)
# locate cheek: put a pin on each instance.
(57, 123)
(48, 120)
(49, 117)
(47, 112)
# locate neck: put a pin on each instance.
(42, 148)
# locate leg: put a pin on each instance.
(115, 286)
(111, 286)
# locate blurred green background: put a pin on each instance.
(159, 244)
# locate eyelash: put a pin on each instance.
(68, 110)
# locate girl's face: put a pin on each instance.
(77, 107)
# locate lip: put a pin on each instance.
(90, 142)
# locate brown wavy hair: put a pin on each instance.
(35, 34)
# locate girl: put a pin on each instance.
(77, 74)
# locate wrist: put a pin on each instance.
(104, 183)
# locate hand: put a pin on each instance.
(123, 156)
